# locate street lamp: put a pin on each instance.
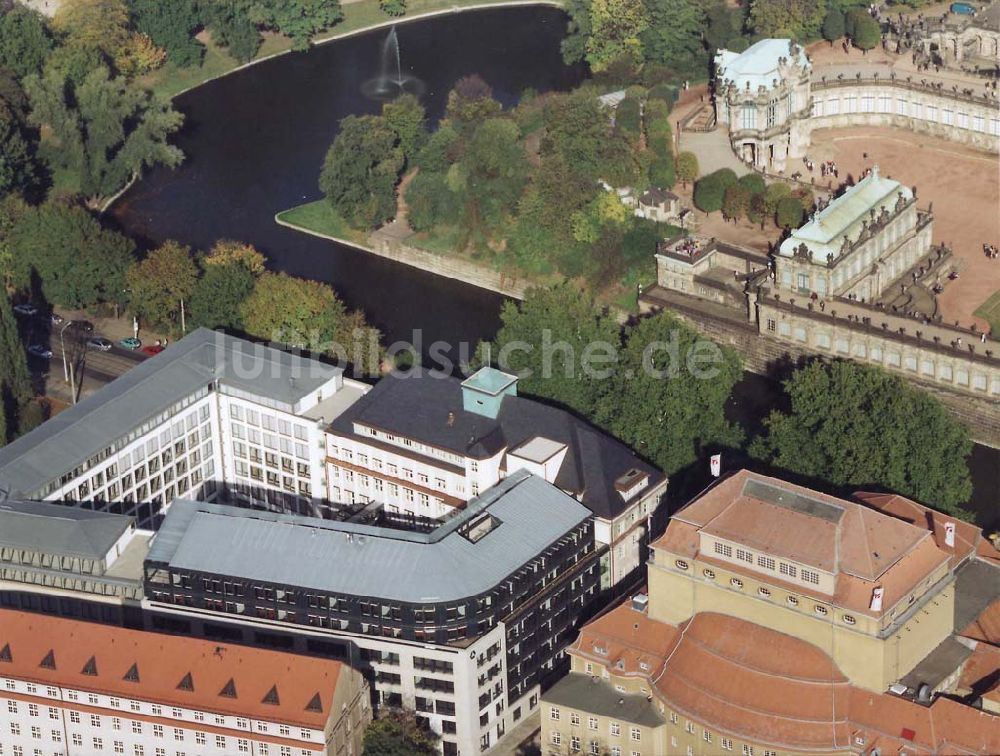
(62, 348)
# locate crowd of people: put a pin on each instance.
(990, 250)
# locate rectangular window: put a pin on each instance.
(766, 562)
(724, 549)
(744, 555)
(810, 577)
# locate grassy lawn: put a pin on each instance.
(990, 311)
(171, 80)
(320, 217)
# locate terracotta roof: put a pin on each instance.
(981, 672)
(986, 627)
(968, 537)
(167, 669)
(624, 638)
(863, 547)
(755, 683)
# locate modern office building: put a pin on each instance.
(83, 689)
(212, 416)
(780, 620)
(425, 444)
(71, 562)
(462, 623)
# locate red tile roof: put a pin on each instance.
(770, 688)
(986, 627)
(861, 546)
(981, 672)
(167, 669)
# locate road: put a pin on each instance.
(99, 368)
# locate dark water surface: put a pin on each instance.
(255, 140)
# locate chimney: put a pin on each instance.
(640, 602)
(451, 419)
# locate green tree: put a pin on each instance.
(616, 27)
(218, 297)
(77, 262)
(773, 195)
(799, 19)
(300, 19)
(408, 121)
(659, 139)
(789, 213)
(71, 64)
(687, 167)
(722, 24)
(667, 398)
(300, 313)
(561, 315)
(171, 26)
(753, 182)
(360, 171)
(833, 24)
(674, 34)
(397, 733)
(441, 149)
(106, 130)
(491, 174)
(735, 202)
(430, 202)
(574, 44)
(15, 382)
(228, 252)
(94, 24)
(231, 25)
(25, 41)
(470, 103)
(18, 169)
(162, 283)
(709, 190)
(866, 33)
(393, 7)
(858, 425)
(628, 116)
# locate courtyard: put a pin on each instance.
(963, 187)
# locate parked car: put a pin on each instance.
(40, 350)
(25, 309)
(131, 343)
(152, 350)
(56, 319)
(83, 325)
(100, 344)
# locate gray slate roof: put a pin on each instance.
(76, 434)
(364, 560)
(596, 696)
(417, 405)
(60, 530)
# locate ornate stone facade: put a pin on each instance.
(826, 291)
(954, 39)
(957, 114)
(762, 97)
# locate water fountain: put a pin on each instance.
(391, 82)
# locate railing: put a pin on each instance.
(923, 86)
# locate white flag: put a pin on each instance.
(716, 465)
(876, 605)
(949, 534)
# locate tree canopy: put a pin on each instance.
(397, 733)
(858, 425)
(159, 283)
(568, 318)
(64, 252)
(361, 169)
(15, 383)
(106, 130)
(25, 41)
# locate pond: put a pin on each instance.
(255, 141)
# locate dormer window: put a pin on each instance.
(600, 650)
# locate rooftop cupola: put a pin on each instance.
(484, 390)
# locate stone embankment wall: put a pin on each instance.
(452, 267)
(772, 358)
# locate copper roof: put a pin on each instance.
(168, 669)
(770, 688)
